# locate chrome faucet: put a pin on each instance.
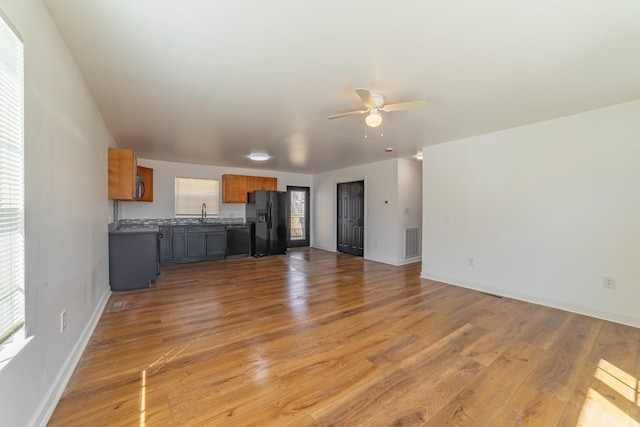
(204, 212)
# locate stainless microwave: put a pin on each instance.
(140, 188)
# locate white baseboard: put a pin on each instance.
(397, 263)
(562, 305)
(383, 261)
(48, 404)
(409, 261)
(324, 248)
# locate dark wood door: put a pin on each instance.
(351, 218)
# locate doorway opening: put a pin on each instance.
(351, 218)
(298, 230)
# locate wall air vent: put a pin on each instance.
(411, 242)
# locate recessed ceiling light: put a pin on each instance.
(259, 157)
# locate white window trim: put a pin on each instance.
(212, 201)
(16, 340)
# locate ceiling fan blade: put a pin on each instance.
(350, 113)
(401, 106)
(365, 95)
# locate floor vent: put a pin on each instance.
(117, 306)
(411, 242)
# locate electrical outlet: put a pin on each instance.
(471, 261)
(63, 321)
(609, 282)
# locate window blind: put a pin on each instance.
(191, 193)
(11, 182)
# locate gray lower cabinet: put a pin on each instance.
(196, 245)
(192, 243)
(165, 244)
(132, 259)
(178, 243)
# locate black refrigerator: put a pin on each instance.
(267, 213)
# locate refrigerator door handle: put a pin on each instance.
(269, 226)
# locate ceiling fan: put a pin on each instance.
(374, 103)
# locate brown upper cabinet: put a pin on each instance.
(123, 168)
(261, 183)
(236, 187)
(123, 176)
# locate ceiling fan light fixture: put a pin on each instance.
(259, 157)
(374, 119)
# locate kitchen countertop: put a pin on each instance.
(136, 229)
(147, 224)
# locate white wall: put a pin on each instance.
(164, 174)
(383, 240)
(66, 220)
(545, 210)
(409, 201)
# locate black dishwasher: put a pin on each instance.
(238, 240)
(133, 257)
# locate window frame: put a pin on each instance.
(212, 203)
(12, 194)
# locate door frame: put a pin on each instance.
(307, 217)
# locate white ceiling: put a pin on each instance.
(208, 82)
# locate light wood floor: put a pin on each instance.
(315, 338)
